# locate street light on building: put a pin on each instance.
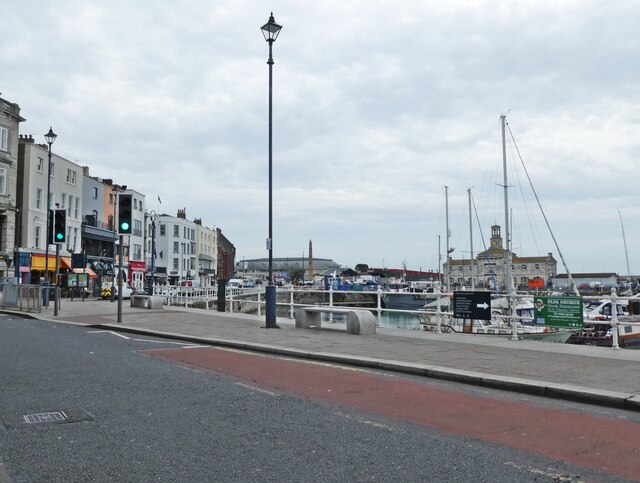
(50, 137)
(270, 30)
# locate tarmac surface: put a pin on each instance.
(595, 375)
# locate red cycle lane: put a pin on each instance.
(608, 445)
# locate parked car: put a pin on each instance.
(105, 292)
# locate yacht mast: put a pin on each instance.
(626, 254)
(446, 209)
(473, 281)
(508, 277)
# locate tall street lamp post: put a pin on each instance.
(270, 30)
(152, 279)
(50, 137)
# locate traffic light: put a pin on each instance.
(59, 226)
(124, 214)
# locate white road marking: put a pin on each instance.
(108, 332)
(368, 422)
(536, 471)
(256, 389)
(186, 345)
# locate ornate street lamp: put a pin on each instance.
(270, 30)
(50, 137)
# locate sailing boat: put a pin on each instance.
(512, 307)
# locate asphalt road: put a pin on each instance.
(137, 409)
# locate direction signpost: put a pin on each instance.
(472, 305)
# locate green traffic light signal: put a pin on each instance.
(59, 225)
(125, 213)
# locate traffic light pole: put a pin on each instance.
(56, 296)
(120, 280)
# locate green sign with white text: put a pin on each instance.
(558, 311)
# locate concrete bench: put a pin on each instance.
(360, 322)
(146, 301)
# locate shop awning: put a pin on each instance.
(65, 262)
(38, 262)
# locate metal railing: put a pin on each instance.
(25, 298)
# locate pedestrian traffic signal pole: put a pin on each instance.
(120, 280)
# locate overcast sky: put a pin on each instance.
(377, 106)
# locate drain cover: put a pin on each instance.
(18, 420)
(53, 417)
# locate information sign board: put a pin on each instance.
(558, 311)
(472, 305)
(72, 280)
(83, 279)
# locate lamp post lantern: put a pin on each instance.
(270, 30)
(50, 137)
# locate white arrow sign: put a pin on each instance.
(483, 306)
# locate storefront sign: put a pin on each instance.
(558, 311)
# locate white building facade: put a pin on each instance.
(176, 248)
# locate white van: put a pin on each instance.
(235, 283)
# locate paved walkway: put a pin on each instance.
(590, 374)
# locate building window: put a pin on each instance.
(524, 280)
(3, 181)
(40, 164)
(137, 252)
(524, 267)
(53, 168)
(163, 230)
(537, 266)
(76, 208)
(64, 200)
(71, 176)
(110, 198)
(176, 230)
(4, 138)
(37, 236)
(39, 199)
(175, 264)
(176, 247)
(95, 192)
(137, 227)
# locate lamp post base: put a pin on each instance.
(270, 300)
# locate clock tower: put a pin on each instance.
(496, 237)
